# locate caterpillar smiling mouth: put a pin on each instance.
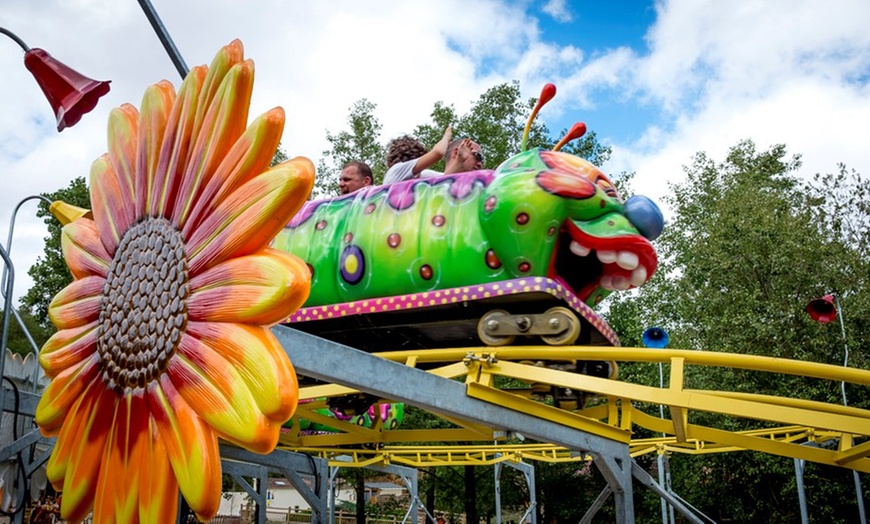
(584, 262)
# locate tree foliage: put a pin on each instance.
(17, 339)
(50, 273)
(496, 121)
(361, 142)
(750, 243)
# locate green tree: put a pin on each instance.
(361, 143)
(50, 273)
(749, 244)
(17, 340)
(496, 121)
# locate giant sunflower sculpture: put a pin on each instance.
(163, 343)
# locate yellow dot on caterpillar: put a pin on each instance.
(351, 264)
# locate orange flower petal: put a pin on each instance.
(258, 357)
(83, 250)
(156, 105)
(70, 432)
(118, 487)
(251, 217)
(217, 392)
(191, 446)
(158, 489)
(224, 122)
(78, 303)
(108, 203)
(85, 457)
(250, 156)
(263, 288)
(123, 138)
(176, 143)
(62, 392)
(68, 347)
(226, 57)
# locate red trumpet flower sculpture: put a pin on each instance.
(823, 309)
(70, 93)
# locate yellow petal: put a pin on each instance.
(250, 156)
(70, 433)
(68, 347)
(191, 446)
(77, 304)
(156, 105)
(83, 250)
(123, 139)
(176, 145)
(217, 392)
(112, 205)
(62, 392)
(250, 218)
(85, 457)
(223, 124)
(158, 495)
(121, 471)
(264, 288)
(258, 357)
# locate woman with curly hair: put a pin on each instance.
(408, 158)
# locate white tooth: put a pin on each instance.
(638, 276)
(627, 260)
(607, 257)
(606, 282)
(579, 250)
(621, 282)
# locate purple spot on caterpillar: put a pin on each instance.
(304, 214)
(353, 264)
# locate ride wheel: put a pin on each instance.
(571, 332)
(487, 326)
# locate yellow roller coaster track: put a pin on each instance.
(816, 431)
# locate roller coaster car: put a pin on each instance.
(519, 254)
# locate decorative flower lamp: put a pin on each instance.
(655, 337)
(163, 342)
(70, 93)
(822, 310)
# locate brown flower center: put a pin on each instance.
(144, 306)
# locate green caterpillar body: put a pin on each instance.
(540, 213)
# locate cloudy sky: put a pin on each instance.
(658, 81)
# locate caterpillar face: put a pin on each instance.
(571, 214)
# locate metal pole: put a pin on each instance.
(802, 497)
(497, 473)
(164, 37)
(857, 478)
(660, 459)
(13, 36)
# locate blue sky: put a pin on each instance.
(657, 81)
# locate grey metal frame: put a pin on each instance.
(335, 363)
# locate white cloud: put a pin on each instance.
(775, 72)
(558, 10)
(793, 72)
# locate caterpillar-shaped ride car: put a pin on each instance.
(518, 254)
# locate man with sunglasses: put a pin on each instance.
(463, 154)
